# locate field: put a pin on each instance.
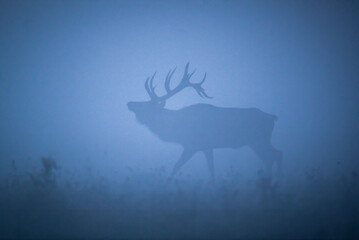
(147, 205)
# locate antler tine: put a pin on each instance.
(151, 83)
(149, 87)
(199, 89)
(185, 78)
(204, 78)
(190, 75)
(146, 87)
(168, 80)
(186, 68)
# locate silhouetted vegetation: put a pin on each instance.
(146, 205)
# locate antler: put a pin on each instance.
(182, 85)
(149, 87)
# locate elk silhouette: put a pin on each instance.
(204, 127)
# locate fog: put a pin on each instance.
(71, 152)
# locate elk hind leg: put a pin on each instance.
(185, 156)
(267, 154)
(278, 157)
(209, 156)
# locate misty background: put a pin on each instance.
(68, 68)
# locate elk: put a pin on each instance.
(204, 127)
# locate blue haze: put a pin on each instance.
(68, 68)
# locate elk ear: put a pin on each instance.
(162, 104)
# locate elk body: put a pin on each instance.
(204, 127)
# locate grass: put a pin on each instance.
(146, 205)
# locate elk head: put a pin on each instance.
(157, 103)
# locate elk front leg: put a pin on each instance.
(186, 155)
(209, 156)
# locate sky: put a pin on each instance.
(68, 69)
